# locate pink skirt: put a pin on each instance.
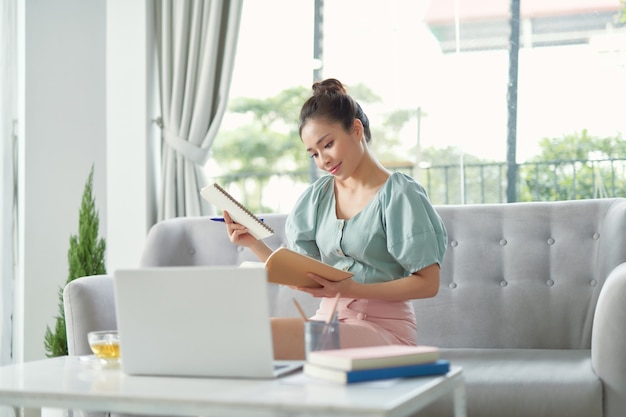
(371, 322)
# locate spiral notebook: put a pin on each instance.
(220, 198)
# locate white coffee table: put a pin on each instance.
(70, 383)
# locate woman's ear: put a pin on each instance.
(357, 129)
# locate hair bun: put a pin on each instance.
(331, 102)
(328, 86)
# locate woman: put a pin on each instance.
(362, 218)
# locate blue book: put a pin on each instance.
(439, 367)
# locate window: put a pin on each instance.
(443, 65)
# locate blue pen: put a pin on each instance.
(221, 219)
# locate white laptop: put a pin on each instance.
(196, 321)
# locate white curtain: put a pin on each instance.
(8, 178)
(196, 44)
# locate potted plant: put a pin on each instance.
(85, 257)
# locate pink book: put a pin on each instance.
(372, 357)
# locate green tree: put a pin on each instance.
(85, 257)
(268, 142)
(575, 166)
(385, 142)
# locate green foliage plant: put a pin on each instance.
(267, 141)
(86, 256)
(573, 167)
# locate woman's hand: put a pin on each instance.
(238, 233)
(329, 288)
(421, 284)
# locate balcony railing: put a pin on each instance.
(536, 181)
(454, 184)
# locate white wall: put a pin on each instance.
(63, 118)
(84, 97)
(62, 133)
(131, 135)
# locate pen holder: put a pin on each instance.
(319, 335)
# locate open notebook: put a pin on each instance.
(196, 321)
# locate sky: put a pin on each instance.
(561, 90)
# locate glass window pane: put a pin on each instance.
(433, 76)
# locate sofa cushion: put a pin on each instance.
(525, 382)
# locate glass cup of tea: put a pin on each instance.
(105, 344)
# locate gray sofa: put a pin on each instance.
(532, 302)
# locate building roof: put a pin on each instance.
(442, 11)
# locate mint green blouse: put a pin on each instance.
(397, 233)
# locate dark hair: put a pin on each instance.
(331, 102)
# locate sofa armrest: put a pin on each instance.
(608, 341)
(89, 305)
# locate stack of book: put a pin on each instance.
(374, 363)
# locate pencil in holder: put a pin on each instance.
(321, 335)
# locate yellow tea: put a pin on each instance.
(106, 350)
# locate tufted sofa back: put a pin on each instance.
(195, 241)
(522, 275)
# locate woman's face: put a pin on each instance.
(332, 148)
